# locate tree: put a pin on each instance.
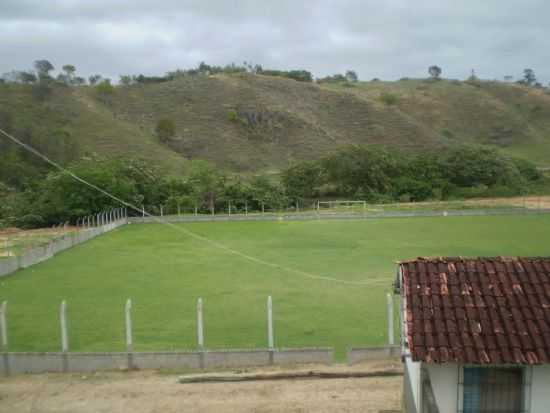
(69, 73)
(94, 79)
(26, 77)
(165, 129)
(206, 182)
(105, 90)
(303, 179)
(351, 76)
(435, 72)
(43, 69)
(125, 80)
(529, 77)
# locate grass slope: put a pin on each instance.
(165, 271)
(291, 120)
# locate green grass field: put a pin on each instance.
(164, 272)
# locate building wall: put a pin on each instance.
(444, 379)
(540, 389)
(411, 382)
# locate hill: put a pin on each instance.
(246, 123)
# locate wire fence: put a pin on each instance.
(330, 207)
(16, 242)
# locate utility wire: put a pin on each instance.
(184, 230)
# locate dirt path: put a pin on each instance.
(141, 392)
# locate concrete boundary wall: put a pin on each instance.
(360, 354)
(314, 216)
(45, 252)
(20, 363)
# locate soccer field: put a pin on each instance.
(164, 271)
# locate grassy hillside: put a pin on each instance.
(249, 122)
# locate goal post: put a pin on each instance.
(342, 206)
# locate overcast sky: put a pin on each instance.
(387, 39)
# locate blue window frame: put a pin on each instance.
(493, 390)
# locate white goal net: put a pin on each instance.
(335, 207)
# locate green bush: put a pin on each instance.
(389, 98)
(165, 129)
(232, 115)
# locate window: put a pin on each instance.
(493, 390)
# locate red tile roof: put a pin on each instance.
(477, 310)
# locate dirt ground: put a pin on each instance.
(148, 392)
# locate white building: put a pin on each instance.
(476, 335)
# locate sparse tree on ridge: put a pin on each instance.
(26, 77)
(529, 77)
(43, 68)
(94, 79)
(435, 72)
(125, 80)
(351, 76)
(70, 71)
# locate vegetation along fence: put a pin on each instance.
(199, 358)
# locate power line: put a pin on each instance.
(184, 230)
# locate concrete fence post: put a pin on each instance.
(229, 208)
(389, 304)
(245, 208)
(143, 211)
(200, 333)
(4, 337)
(263, 207)
(161, 211)
(64, 329)
(129, 337)
(64, 335)
(270, 341)
(4, 326)
(200, 325)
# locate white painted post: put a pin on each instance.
(4, 337)
(389, 303)
(128, 319)
(270, 341)
(64, 332)
(245, 208)
(229, 209)
(200, 326)
(161, 211)
(143, 211)
(4, 326)
(263, 207)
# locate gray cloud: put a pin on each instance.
(388, 39)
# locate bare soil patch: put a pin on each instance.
(148, 392)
